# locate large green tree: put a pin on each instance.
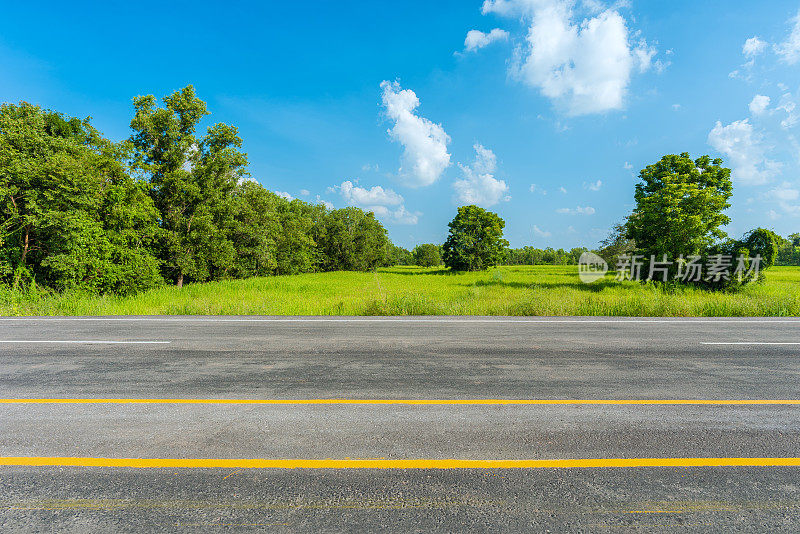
(679, 206)
(352, 240)
(192, 181)
(70, 213)
(427, 255)
(475, 241)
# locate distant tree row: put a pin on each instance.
(546, 256)
(171, 205)
(166, 206)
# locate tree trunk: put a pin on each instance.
(25, 244)
(180, 281)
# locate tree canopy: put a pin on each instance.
(679, 206)
(427, 255)
(72, 216)
(79, 211)
(475, 241)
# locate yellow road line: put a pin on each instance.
(348, 463)
(411, 401)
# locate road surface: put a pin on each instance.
(183, 424)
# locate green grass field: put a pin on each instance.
(539, 290)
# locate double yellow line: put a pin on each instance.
(383, 463)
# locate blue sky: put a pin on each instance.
(540, 110)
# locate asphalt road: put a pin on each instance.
(213, 361)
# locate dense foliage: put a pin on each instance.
(538, 256)
(475, 241)
(79, 211)
(427, 255)
(173, 204)
(72, 216)
(679, 206)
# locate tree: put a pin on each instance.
(616, 244)
(761, 242)
(789, 250)
(72, 216)
(475, 241)
(399, 256)
(255, 230)
(302, 231)
(427, 255)
(352, 240)
(679, 206)
(192, 180)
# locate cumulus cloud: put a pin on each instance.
(479, 186)
(384, 203)
(362, 197)
(759, 104)
(753, 47)
(580, 210)
(787, 196)
(425, 155)
(534, 188)
(788, 105)
(745, 150)
(541, 233)
(305, 192)
(584, 66)
(789, 50)
(593, 186)
(476, 39)
(327, 203)
(284, 194)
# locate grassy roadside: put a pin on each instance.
(539, 290)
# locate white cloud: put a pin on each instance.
(534, 188)
(789, 50)
(563, 190)
(305, 192)
(753, 47)
(580, 210)
(541, 233)
(746, 151)
(479, 186)
(788, 105)
(476, 39)
(403, 216)
(784, 192)
(584, 66)
(362, 197)
(676, 107)
(593, 186)
(328, 204)
(787, 196)
(759, 104)
(284, 194)
(384, 203)
(425, 155)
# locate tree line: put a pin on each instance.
(171, 205)
(168, 205)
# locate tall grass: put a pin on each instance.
(521, 290)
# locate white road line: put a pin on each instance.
(748, 343)
(84, 341)
(205, 319)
